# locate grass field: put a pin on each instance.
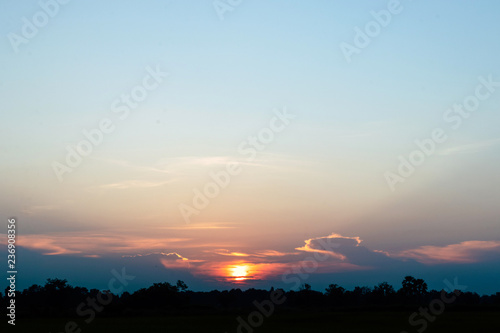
(372, 322)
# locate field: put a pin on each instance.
(373, 322)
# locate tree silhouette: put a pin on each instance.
(56, 284)
(57, 298)
(181, 285)
(413, 289)
(335, 294)
(383, 289)
(305, 287)
(334, 290)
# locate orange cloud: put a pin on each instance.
(272, 253)
(48, 246)
(224, 252)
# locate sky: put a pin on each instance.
(239, 144)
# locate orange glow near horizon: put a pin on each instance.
(243, 272)
(239, 273)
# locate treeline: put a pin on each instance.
(58, 298)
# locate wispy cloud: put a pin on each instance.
(200, 226)
(139, 176)
(171, 254)
(185, 161)
(128, 165)
(86, 243)
(224, 252)
(273, 253)
(464, 252)
(262, 160)
(470, 148)
(134, 184)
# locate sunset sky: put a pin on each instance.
(226, 145)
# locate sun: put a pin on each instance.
(239, 272)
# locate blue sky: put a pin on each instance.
(324, 174)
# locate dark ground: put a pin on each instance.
(309, 322)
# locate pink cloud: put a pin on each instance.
(95, 244)
(464, 252)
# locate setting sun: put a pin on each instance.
(239, 272)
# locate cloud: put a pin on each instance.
(48, 246)
(127, 165)
(134, 184)
(142, 176)
(218, 261)
(342, 254)
(263, 160)
(325, 245)
(470, 148)
(347, 252)
(162, 254)
(350, 250)
(187, 161)
(220, 264)
(170, 260)
(200, 226)
(175, 260)
(273, 253)
(224, 252)
(464, 252)
(91, 244)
